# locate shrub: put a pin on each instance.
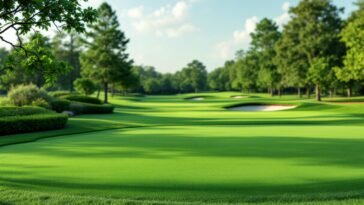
(87, 108)
(22, 111)
(4, 102)
(32, 123)
(41, 103)
(83, 99)
(85, 86)
(60, 105)
(61, 93)
(26, 94)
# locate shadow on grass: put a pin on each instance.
(317, 190)
(123, 144)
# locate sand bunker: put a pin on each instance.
(239, 97)
(196, 99)
(262, 108)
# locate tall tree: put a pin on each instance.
(67, 47)
(318, 23)
(195, 76)
(105, 59)
(264, 40)
(247, 70)
(219, 79)
(353, 36)
(291, 62)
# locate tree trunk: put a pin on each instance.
(308, 91)
(350, 92)
(106, 90)
(299, 92)
(272, 92)
(280, 92)
(318, 92)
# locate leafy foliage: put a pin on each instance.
(23, 16)
(60, 105)
(88, 108)
(105, 59)
(26, 95)
(21, 111)
(85, 86)
(353, 37)
(36, 64)
(84, 99)
(32, 123)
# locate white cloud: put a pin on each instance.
(285, 17)
(136, 13)
(180, 31)
(160, 12)
(286, 6)
(241, 38)
(167, 21)
(180, 9)
(282, 19)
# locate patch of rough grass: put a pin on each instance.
(21, 197)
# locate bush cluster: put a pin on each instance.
(60, 93)
(32, 123)
(15, 120)
(83, 99)
(88, 108)
(27, 94)
(21, 111)
(60, 105)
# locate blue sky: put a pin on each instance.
(168, 34)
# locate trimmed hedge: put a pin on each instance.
(87, 108)
(61, 93)
(32, 123)
(60, 105)
(83, 99)
(21, 111)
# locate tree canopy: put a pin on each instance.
(23, 16)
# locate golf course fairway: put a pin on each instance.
(167, 150)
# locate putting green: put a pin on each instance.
(171, 150)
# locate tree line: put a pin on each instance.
(315, 51)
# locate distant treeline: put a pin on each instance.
(316, 51)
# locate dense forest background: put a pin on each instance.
(316, 52)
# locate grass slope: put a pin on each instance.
(166, 150)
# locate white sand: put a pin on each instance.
(196, 99)
(239, 97)
(264, 108)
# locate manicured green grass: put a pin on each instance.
(168, 150)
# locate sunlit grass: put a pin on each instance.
(167, 150)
